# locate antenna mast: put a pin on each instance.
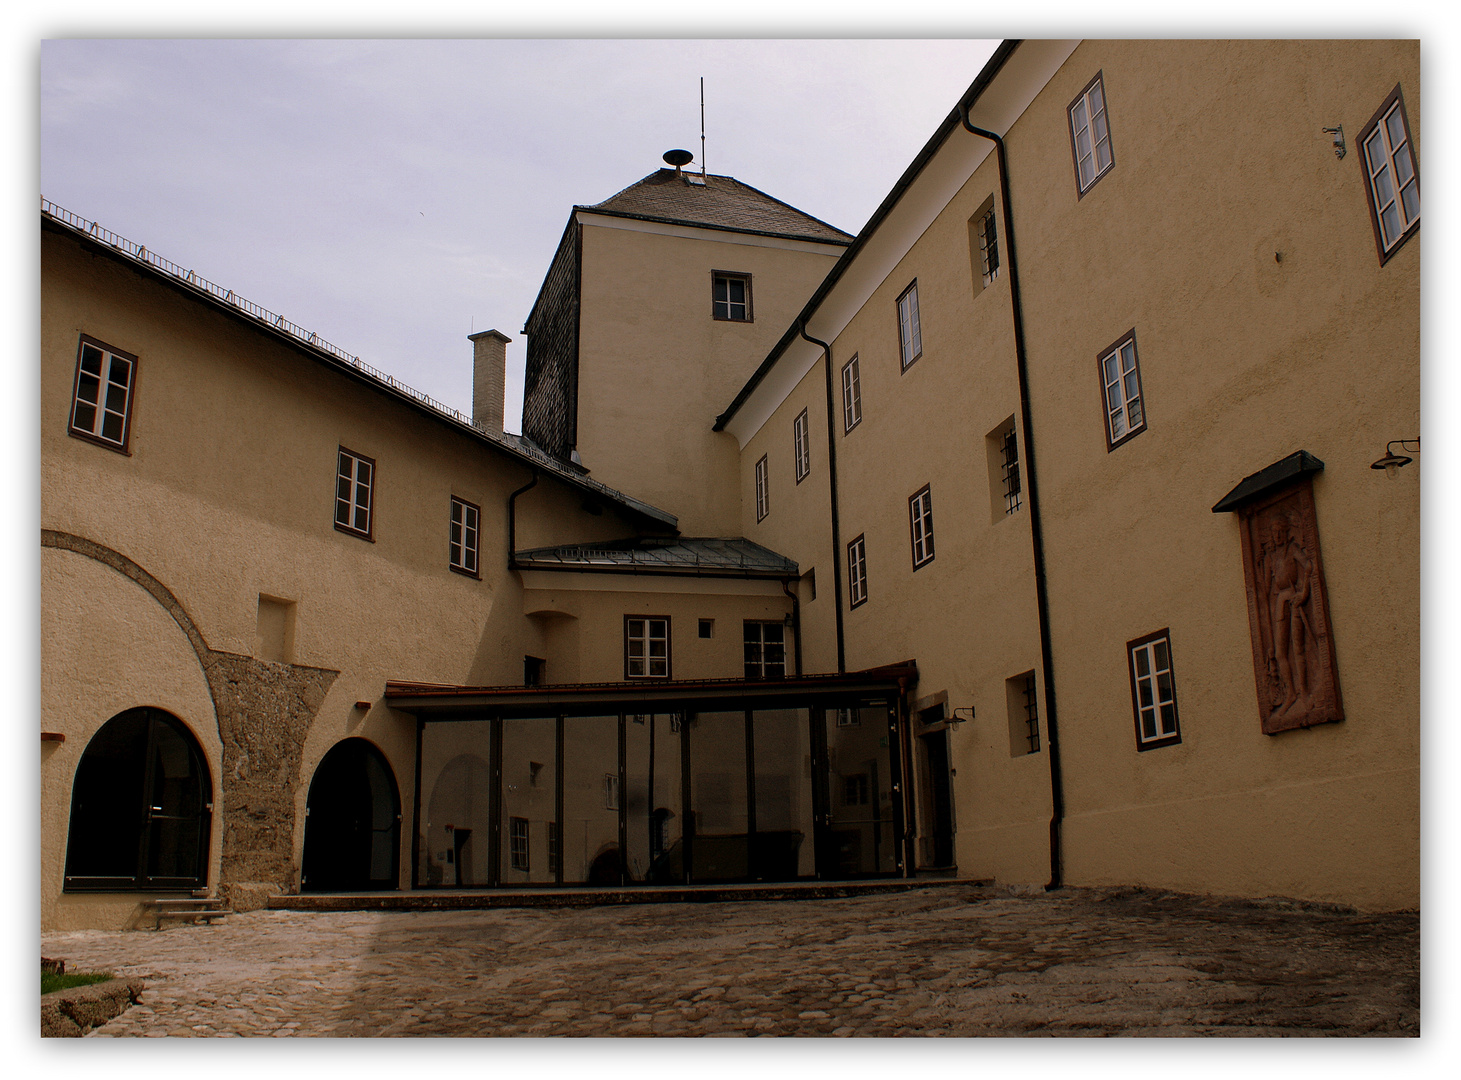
(702, 127)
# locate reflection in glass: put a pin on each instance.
(529, 749)
(652, 823)
(589, 839)
(453, 846)
(782, 847)
(718, 849)
(861, 839)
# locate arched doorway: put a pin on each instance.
(141, 807)
(352, 826)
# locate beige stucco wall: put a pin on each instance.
(655, 368)
(1219, 164)
(227, 494)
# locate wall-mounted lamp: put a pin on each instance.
(955, 718)
(1338, 133)
(1392, 461)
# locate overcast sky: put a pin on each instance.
(394, 196)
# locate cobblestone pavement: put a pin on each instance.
(947, 961)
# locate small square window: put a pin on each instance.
(1121, 391)
(851, 396)
(765, 650)
(920, 525)
(646, 647)
(707, 628)
(1090, 136)
(763, 494)
(856, 572)
(1153, 693)
(101, 398)
(848, 718)
(801, 446)
(910, 332)
(1392, 175)
(730, 296)
(464, 537)
(354, 483)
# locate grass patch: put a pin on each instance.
(51, 981)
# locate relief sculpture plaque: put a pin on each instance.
(1288, 611)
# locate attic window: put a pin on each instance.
(730, 296)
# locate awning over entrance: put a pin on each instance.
(660, 783)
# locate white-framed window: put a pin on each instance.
(646, 647)
(1009, 467)
(730, 296)
(1391, 175)
(101, 397)
(464, 531)
(988, 246)
(856, 572)
(851, 396)
(518, 843)
(611, 791)
(1121, 391)
(763, 494)
(920, 526)
(1090, 135)
(801, 445)
(1153, 693)
(765, 650)
(910, 332)
(354, 483)
(848, 718)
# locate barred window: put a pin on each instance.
(1010, 469)
(988, 247)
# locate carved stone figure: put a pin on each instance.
(1293, 653)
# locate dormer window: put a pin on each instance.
(731, 296)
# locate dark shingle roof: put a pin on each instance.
(707, 556)
(722, 202)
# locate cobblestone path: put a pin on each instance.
(947, 961)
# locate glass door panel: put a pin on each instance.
(781, 847)
(529, 751)
(718, 848)
(590, 835)
(652, 811)
(860, 836)
(453, 834)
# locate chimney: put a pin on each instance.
(489, 378)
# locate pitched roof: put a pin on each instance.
(721, 202)
(705, 556)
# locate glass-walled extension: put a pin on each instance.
(525, 787)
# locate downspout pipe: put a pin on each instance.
(512, 520)
(796, 621)
(832, 495)
(1037, 535)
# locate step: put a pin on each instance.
(189, 910)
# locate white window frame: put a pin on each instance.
(910, 326)
(355, 476)
(1385, 162)
(105, 381)
(801, 446)
(1123, 402)
(857, 571)
(851, 396)
(763, 492)
(1153, 690)
(920, 526)
(642, 658)
(611, 791)
(465, 537)
(725, 310)
(1088, 116)
(759, 650)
